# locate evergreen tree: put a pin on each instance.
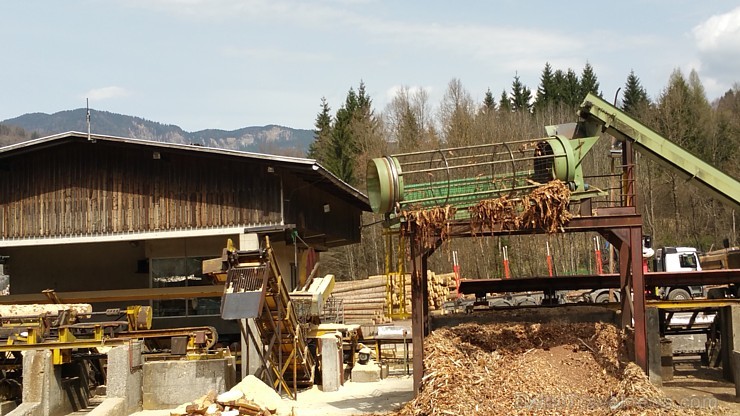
(558, 87)
(589, 82)
(354, 127)
(635, 98)
(489, 104)
(504, 104)
(546, 91)
(322, 132)
(571, 89)
(521, 96)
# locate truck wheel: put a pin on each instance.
(602, 298)
(528, 301)
(679, 294)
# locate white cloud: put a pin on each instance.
(105, 93)
(718, 43)
(275, 54)
(719, 33)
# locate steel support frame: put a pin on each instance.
(623, 231)
(420, 252)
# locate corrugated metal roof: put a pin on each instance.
(310, 169)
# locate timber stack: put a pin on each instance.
(364, 300)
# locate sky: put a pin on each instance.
(227, 64)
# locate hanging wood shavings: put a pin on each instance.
(545, 208)
(429, 223)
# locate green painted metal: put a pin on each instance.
(600, 116)
(384, 183)
(462, 176)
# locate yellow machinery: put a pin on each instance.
(395, 283)
(255, 289)
(66, 331)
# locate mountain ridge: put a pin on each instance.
(271, 138)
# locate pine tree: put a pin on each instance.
(489, 104)
(546, 91)
(521, 96)
(571, 89)
(504, 104)
(349, 136)
(589, 82)
(321, 133)
(558, 87)
(635, 98)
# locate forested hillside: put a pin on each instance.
(674, 212)
(265, 139)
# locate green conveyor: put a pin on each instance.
(599, 115)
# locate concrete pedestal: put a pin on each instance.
(366, 373)
(730, 333)
(331, 362)
(736, 369)
(43, 393)
(666, 359)
(124, 377)
(168, 384)
(652, 327)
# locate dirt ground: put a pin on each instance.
(356, 398)
(697, 386)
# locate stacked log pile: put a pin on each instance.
(365, 300)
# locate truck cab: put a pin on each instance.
(666, 259)
(677, 259)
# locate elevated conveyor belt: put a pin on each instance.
(255, 289)
(598, 115)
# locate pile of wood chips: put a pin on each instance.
(527, 369)
(545, 208)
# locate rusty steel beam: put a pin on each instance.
(618, 218)
(598, 281)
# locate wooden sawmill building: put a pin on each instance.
(81, 213)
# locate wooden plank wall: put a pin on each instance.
(305, 208)
(79, 189)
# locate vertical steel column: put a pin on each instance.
(638, 289)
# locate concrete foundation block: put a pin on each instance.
(168, 384)
(736, 370)
(124, 378)
(331, 362)
(43, 393)
(730, 338)
(366, 373)
(666, 359)
(7, 407)
(27, 409)
(110, 407)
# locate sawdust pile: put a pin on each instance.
(526, 369)
(545, 208)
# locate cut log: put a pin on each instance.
(44, 308)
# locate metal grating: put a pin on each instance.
(245, 279)
(244, 293)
